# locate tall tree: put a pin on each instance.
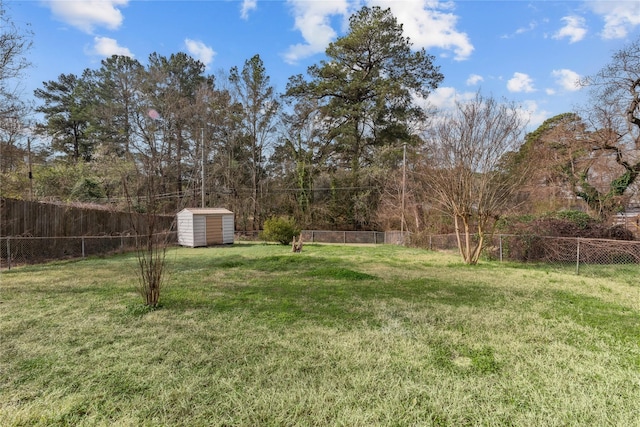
(613, 125)
(117, 84)
(366, 88)
(219, 121)
(558, 159)
(260, 106)
(11, 154)
(172, 84)
(593, 155)
(465, 174)
(14, 45)
(301, 155)
(66, 109)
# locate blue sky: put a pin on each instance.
(529, 52)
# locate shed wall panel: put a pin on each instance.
(214, 230)
(199, 230)
(185, 229)
(228, 229)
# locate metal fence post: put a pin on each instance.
(8, 253)
(578, 256)
(82, 247)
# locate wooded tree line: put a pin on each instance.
(350, 145)
(320, 152)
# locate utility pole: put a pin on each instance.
(202, 168)
(404, 180)
(30, 170)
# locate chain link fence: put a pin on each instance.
(351, 237)
(16, 251)
(567, 252)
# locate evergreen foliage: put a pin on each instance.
(279, 229)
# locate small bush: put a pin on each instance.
(279, 229)
(579, 218)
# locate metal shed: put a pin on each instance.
(205, 226)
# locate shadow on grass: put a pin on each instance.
(327, 268)
(620, 323)
(325, 290)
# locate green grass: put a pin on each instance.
(255, 335)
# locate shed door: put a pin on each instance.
(214, 230)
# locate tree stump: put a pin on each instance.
(296, 246)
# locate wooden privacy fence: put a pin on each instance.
(32, 250)
(32, 232)
(35, 219)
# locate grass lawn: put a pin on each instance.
(254, 335)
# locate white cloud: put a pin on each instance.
(106, 47)
(200, 51)
(445, 98)
(620, 17)
(535, 116)
(520, 82)
(474, 79)
(88, 14)
(312, 19)
(532, 26)
(247, 6)
(522, 30)
(567, 79)
(429, 24)
(574, 29)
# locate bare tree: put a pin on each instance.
(145, 205)
(252, 86)
(465, 172)
(559, 160)
(613, 119)
(14, 44)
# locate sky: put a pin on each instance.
(528, 52)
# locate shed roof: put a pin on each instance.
(207, 211)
